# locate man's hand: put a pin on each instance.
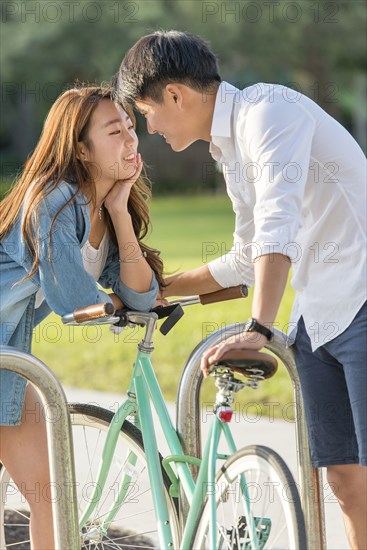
(243, 341)
(116, 301)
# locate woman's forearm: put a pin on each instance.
(135, 272)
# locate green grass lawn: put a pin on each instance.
(93, 357)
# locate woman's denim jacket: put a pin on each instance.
(65, 283)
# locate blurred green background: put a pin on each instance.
(316, 47)
(95, 358)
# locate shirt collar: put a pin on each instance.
(221, 124)
(222, 146)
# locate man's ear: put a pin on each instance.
(174, 92)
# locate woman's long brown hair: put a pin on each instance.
(55, 159)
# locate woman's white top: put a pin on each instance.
(94, 260)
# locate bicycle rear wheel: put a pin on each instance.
(274, 502)
(134, 525)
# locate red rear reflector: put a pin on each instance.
(224, 414)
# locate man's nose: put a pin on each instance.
(150, 128)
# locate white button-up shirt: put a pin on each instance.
(297, 181)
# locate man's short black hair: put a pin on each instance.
(163, 57)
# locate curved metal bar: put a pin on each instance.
(59, 441)
(189, 428)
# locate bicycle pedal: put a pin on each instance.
(263, 528)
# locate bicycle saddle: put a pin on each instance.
(249, 362)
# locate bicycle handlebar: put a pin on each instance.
(95, 311)
(107, 311)
(231, 293)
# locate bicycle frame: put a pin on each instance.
(143, 388)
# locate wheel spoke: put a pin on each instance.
(278, 522)
(90, 425)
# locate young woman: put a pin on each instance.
(76, 216)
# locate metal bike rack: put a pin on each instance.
(189, 429)
(59, 441)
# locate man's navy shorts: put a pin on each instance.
(334, 388)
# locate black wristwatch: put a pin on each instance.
(253, 326)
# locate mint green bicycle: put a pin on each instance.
(130, 496)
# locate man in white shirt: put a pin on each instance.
(296, 179)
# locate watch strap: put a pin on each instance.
(253, 326)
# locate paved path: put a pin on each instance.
(277, 434)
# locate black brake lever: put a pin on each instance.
(123, 321)
(164, 311)
(173, 312)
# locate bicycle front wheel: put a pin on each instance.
(274, 503)
(134, 525)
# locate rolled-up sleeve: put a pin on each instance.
(235, 267)
(110, 278)
(65, 283)
(279, 138)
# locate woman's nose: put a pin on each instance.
(130, 138)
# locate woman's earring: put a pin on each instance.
(100, 212)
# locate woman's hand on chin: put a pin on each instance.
(117, 198)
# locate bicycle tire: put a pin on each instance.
(268, 478)
(92, 422)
